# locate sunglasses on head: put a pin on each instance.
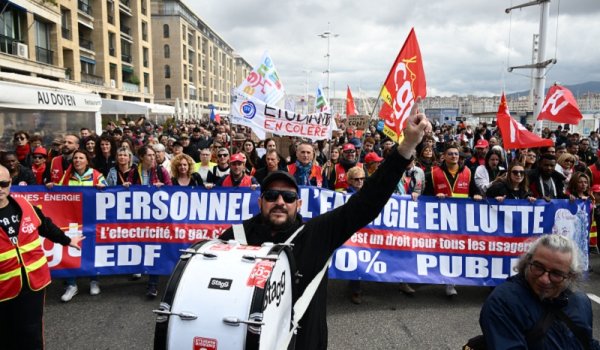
(4, 184)
(273, 195)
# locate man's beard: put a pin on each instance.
(276, 226)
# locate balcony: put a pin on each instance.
(125, 30)
(91, 79)
(66, 33)
(86, 44)
(43, 55)
(85, 8)
(126, 58)
(129, 87)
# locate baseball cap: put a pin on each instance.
(348, 147)
(372, 157)
(482, 143)
(40, 150)
(349, 129)
(596, 188)
(356, 142)
(238, 157)
(278, 175)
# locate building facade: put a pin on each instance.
(192, 63)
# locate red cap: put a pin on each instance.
(372, 157)
(40, 150)
(349, 129)
(348, 147)
(482, 144)
(238, 157)
(596, 188)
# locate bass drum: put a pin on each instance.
(224, 295)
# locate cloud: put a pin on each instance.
(467, 45)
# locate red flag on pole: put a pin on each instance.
(515, 135)
(350, 106)
(404, 83)
(560, 106)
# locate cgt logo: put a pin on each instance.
(220, 283)
(248, 109)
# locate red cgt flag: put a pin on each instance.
(515, 135)
(350, 106)
(560, 106)
(404, 83)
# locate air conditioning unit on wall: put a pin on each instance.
(20, 49)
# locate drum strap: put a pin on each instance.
(239, 234)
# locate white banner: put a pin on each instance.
(263, 82)
(21, 96)
(262, 117)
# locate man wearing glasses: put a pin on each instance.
(451, 180)
(317, 238)
(222, 168)
(538, 308)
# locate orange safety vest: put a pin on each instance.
(341, 183)
(315, 173)
(441, 184)
(595, 175)
(246, 181)
(594, 230)
(27, 254)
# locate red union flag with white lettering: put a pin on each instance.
(404, 83)
(515, 135)
(560, 106)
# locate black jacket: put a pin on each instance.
(535, 183)
(501, 188)
(321, 236)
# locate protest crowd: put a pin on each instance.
(452, 161)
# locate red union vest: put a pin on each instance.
(595, 175)
(246, 181)
(56, 170)
(29, 249)
(315, 173)
(341, 182)
(442, 185)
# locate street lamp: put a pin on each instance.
(327, 35)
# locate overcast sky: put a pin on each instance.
(466, 44)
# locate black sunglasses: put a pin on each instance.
(518, 172)
(273, 195)
(223, 155)
(20, 138)
(4, 184)
(38, 157)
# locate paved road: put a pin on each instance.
(121, 317)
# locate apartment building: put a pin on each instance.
(242, 69)
(101, 45)
(192, 63)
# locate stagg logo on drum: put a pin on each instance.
(273, 291)
(220, 283)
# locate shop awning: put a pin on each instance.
(134, 107)
(25, 92)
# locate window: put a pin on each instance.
(167, 71)
(165, 31)
(167, 91)
(42, 42)
(88, 67)
(144, 31)
(167, 51)
(145, 54)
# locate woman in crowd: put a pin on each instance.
(565, 165)
(119, 174)
(80, 173)
(40, 155)
(485, 174)
(22, 147)
(333, 160)
(182, 171)
(427, 158)
(513, 185)
(530, 162)
(578, 186)
(148, 173)
(249, 150)
(128, 143)
(89, 144)
(105, 154)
